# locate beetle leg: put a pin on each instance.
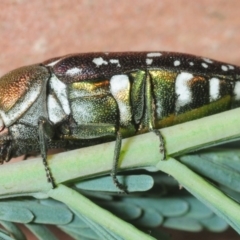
(117, 151)
(149, 116)
(6, 145)
(93, 131)
(5, 150)
(45, 132)
(162, 144)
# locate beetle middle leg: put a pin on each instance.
(93, 131)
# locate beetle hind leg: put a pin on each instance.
(162, 144)
(117, 151)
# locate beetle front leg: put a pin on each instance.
(45, 132)
(5, 149)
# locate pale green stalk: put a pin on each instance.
(204, 191)
(101, 216)
(29, 177)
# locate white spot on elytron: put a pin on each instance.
(106, 53)
(191, 63)
(73, 71)
(214, 91)
(231, 67)
(120, 87)
(207, 60)
(204, 65)
(154, 54)
(236, 90)
(54, 63)
(115, 61)
(60, 89)
(183, 90)
(99, 61)
(224, 68)
(176, 63)
(149, 61)
(119, 83)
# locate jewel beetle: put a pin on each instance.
(84, 99)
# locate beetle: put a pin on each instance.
(84, 99)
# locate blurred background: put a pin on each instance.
(33, 31)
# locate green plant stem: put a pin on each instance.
(204, 191)
(92, 211)
(29, 177)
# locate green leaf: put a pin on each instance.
(197, 210)
(13, 229)
(74, 233)
(9, 212)
(100, 231)
(123, 210)
(208, 194)
(150, 218)
(25, 211)
(214, 224)
(40, 231)
(168, 207)
(134, 183)
(220, 165)
(88, 209)
(4, 236)
(184, 224)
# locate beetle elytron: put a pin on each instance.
(83, 99)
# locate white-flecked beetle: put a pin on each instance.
(83, 99)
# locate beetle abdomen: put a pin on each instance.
(180, 97)
(183, 87)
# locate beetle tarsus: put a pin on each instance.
(120, 186)
(117, 150)
(48, 173)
